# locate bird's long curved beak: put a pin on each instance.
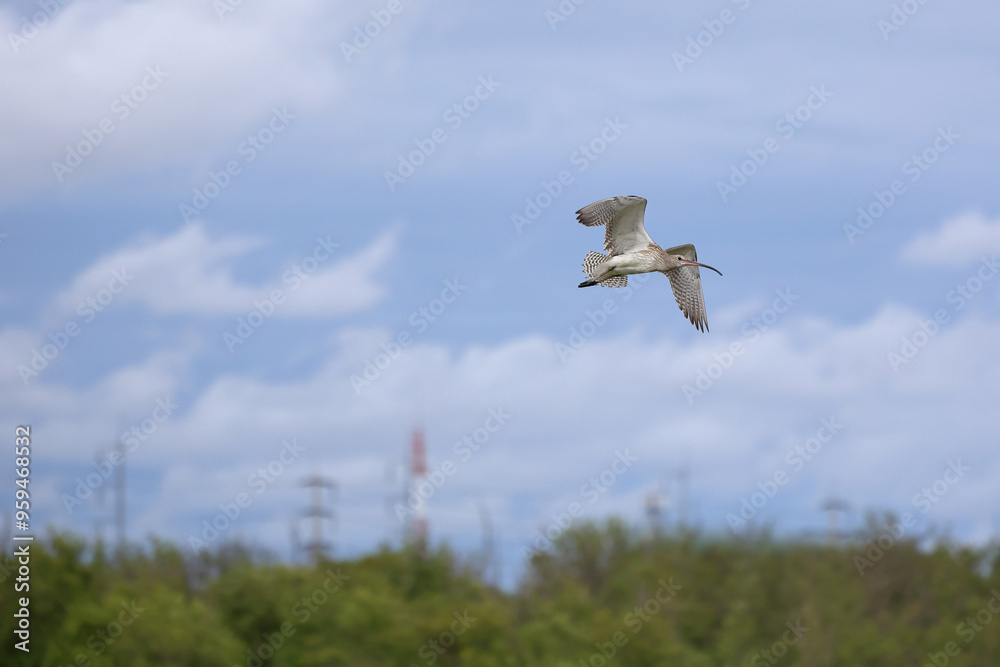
(704, 266)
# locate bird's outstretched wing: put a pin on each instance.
(686, 285)
(622, 216)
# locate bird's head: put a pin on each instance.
(684, 261)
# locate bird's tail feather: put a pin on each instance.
(592, 261)
(590, 264)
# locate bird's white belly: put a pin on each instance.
(630, 264)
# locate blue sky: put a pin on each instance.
(226, 163)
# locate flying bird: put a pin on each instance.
(632, 251)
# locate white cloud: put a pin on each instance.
(345, 286)
(191, 273)
(187, 272)
(959, 241)
(222, 77)
(566, 420)
(97, 415)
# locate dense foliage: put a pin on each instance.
(601, 595)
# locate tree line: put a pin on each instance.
(601, 594)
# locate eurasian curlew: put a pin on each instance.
(632, 251)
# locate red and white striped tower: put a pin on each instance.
(418, 479)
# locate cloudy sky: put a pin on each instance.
(241, 237)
